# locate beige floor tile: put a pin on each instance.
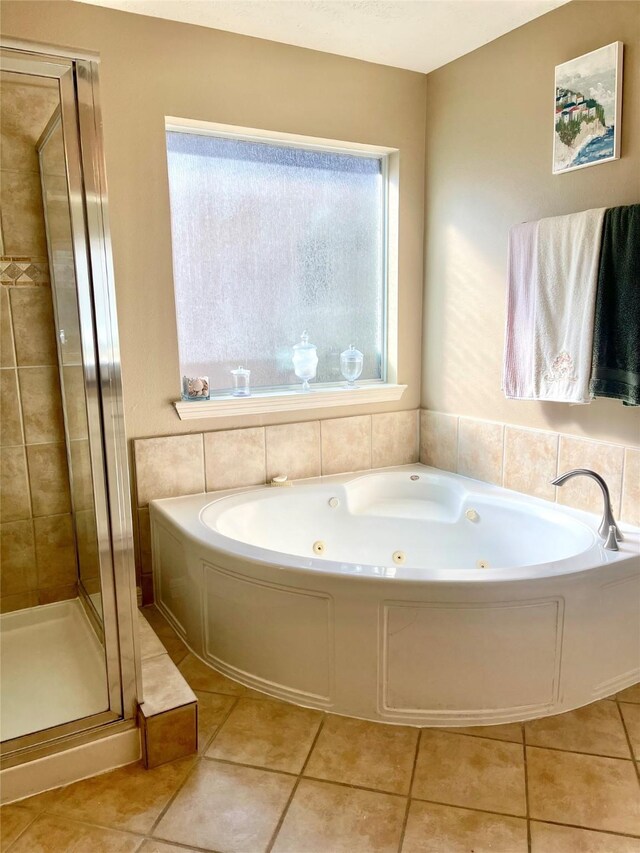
(550, 838)
(212, 710)
(326, 818)
(630, 694)
(371, 755)
(267, 734)
(596, 728)
(470, 771)
(583, 790)
(49, 834)
(631, 714)
(436, 829)
(13, 821)
(128, 798)
(506, 731)
(200, 676)
(226, 807)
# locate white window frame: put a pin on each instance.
(329, 395)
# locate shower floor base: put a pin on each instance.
(53, 668)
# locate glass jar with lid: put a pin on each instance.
(351, 364)
(241, 386)
(305, 361)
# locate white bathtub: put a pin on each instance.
(430, 598)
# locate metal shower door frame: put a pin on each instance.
(82, 134)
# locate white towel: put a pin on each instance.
(567, 254)
(552, 278)
(521, 288)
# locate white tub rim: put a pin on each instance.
(186, 511)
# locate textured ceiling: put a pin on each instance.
(419, 35)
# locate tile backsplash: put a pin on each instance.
(515, 457)
(189, 464)
(527, 459)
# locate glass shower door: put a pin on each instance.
(68, 629)
(70, 359)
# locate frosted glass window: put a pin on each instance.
(269, 241)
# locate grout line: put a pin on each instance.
(179, 844)
(215, 734)
(413, 774)
(469, 808)
(578, 752)
(204, 463)
(629, 744)
(22, 831)
(173, 796)
(586, 828)
(276, 831)
(214, 759)
(354, 787)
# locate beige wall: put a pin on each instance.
(489, 141)
(152, 68)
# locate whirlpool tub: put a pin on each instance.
(406, 595)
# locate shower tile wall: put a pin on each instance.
(37, 546)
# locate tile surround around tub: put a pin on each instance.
(480, 450)
(234, 458)
(439, 440)
(606, 459)
(394, 439)
(631, 487)
(293, 450)
(168, 467)
(516, 457)
(525, 460)
(187, 464)
(346, 444)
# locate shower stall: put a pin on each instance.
(69, 668)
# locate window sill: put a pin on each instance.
(288, 401)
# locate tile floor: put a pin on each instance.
(273, 777)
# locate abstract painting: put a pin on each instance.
(588, 94)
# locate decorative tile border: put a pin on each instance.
(24, 272)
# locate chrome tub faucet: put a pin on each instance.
(608, 530)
